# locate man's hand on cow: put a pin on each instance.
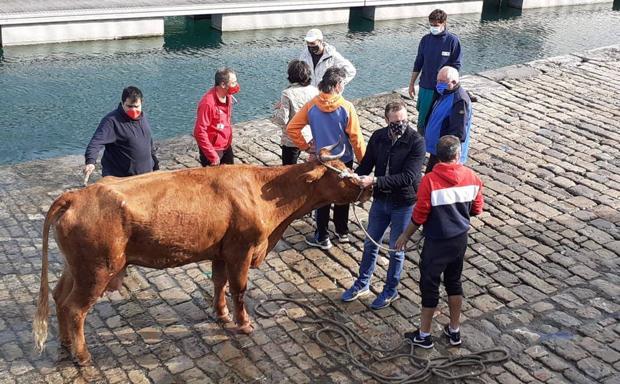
(366, 181)
(216, 161)
(88, 169)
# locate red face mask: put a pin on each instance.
(133, 113)
(233, 90)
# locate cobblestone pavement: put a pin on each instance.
(541, 276)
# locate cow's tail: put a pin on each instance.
(39, 324)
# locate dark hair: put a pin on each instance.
(332, 77)
(132, 93)
(299, 72)
(394, 106)
(223, 75)
(438, 15)
(448, 148)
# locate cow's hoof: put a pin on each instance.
(223, 318)
(245, 329)
(84, 359)
(66, 342)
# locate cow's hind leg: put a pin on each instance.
(238, 282)
(218, 267)
(87, 288)
(61, 292)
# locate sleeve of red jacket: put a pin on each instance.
(478, 203)
(201, 132)
(423, 205)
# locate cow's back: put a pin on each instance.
(176, 217)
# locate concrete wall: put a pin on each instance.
(523, 4)
(422, 9)
(25, 34)
(267, 20)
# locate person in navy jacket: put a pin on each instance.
(447, 197)
(451, 115)
(435, 50)
(126, 135)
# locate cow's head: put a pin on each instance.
(339, 183)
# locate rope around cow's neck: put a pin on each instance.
(417, 245)
(345, 174)
(442, 366)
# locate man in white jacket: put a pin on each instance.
(319, 55)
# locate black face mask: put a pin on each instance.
(397, 128)
(314, 49)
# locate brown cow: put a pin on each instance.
(232, 215)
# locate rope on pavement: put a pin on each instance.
(465, 367)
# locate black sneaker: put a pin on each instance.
(323, 244)
(454, 337)
(343, 238)
(426, 342)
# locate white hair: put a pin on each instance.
(451, 73)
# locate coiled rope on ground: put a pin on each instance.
(467, 368)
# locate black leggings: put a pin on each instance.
(341, 217)
(441, 256)
(290, 155)
(226, 157)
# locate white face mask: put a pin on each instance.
(436, 30)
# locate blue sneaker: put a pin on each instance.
(383, 300)
(354, 293)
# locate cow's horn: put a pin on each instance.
(333, 157)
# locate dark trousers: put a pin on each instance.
(341, 217)
(290, 155)
(432, 160)
(226, 157)
(441, 256)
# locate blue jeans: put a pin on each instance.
(383, 214)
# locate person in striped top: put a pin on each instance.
(447, 198)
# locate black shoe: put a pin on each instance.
(343, 238)
(323, 244)
(454, 337)
(426, 342)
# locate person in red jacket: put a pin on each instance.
(213, 128)
(447, 197)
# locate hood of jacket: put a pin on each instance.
(450, 172)
(329, 102)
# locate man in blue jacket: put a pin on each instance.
(436, 49)
(126, 135)
(451, 115)
(396, 153)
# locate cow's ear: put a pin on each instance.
(314, 175)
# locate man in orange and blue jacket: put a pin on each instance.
(330, 117)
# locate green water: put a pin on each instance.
(53, 96)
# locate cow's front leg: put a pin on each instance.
(238, 282)
(218, 267)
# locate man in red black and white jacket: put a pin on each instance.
(447, 197)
